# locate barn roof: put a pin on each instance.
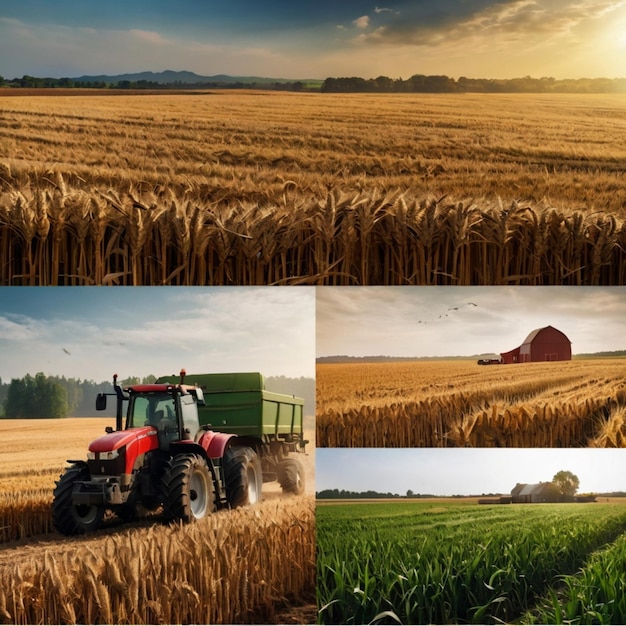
(535, 332)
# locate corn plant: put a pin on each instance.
(596, 594)
(417, 563)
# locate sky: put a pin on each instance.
(464, 321)
(315, 38)
(91, 333)
(465, 471)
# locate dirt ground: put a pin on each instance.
(305, 614)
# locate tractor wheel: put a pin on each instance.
(69, 518)
(188, 488)
(243, 476)
(290, 473)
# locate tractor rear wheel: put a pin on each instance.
(290, 474)
(188, 488)
(243, 476)
(69, 518)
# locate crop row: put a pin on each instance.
(68, 236)
(243, 145)
(596, 594)
(436, 423)
(231, 567)
(24, 513)
(578, 404)
(467, 572)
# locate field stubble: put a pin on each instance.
(251, 188)
(459, 403)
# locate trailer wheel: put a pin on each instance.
(188, 488)
(290, 473)
(243, 476)
(67, 517)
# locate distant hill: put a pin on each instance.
(171, 77)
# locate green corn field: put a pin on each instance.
(451, 563)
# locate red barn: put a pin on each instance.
(543, 344)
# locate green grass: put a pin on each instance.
(416, 563)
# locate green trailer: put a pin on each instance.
(269, 422)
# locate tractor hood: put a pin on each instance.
(120, 438)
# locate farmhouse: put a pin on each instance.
(539, 492)
(543, 344)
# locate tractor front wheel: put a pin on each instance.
(69, 518)
(243, 475)
(188, 488)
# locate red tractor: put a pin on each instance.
(164, 457)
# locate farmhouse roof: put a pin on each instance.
(525, 489)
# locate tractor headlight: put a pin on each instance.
(103, 456)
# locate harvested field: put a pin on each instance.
(266, 188)
(580, 403)
(250, 565)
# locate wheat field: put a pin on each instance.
(580, 403)
(267, 188)
(241, 566)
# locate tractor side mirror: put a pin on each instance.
(101, 402)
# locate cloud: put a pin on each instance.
(159, 330)
(362, 22)
(149, 37)
(511, 22)
(15, 328)
(59, 50)
(438, 321)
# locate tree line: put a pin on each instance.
(34, 82)
(343, 494)
(565, 482)
(420, 83)
(42, 396)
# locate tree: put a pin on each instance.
(566, 482)
(30, 397)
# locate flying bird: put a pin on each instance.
(449, 314)
(66, 351)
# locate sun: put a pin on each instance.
(610, 42)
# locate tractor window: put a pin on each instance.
(190, 416)
(151, 409)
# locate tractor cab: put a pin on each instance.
(172, 410)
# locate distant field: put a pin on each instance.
(274, 188)
(425, 563)
(459, 403)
